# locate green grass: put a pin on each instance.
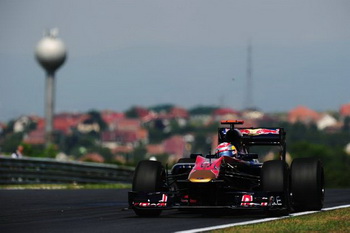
(66, 186)
(326, 221)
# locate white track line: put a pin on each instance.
(259, 220)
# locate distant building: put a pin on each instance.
(180, 115)
(175, 146)
(326, 121)
(113, 139)
(177, 112)
(344, 110)
(304, 115)
(145, 115)
(252, 114)
(128, 124)
(201, 119)
(64, 122)
(126, 133)
(88, 126)
(111, 117)
(225, 114)
(35, 137)
(155, 149)
(21, 124)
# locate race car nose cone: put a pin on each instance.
(201, 176)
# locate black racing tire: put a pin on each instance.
(148, 177)
(186, 160)
(307, 184)
(275, 178)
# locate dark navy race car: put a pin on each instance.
(235, 180)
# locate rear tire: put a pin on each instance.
(148, 177)
(307, 184)
(275, 178)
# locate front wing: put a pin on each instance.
(240, 200)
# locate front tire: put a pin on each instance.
(307, 184)
(148, 177)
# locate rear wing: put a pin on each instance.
(263, 136)
(256, 136)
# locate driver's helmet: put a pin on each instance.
(226, 149)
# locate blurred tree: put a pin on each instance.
(104, 152)
(131, 113)
(8, 129)
(202, 110)
(346, 125)
(336, 162)
(77, 143)
(50, 152)
(10, 142)
(201, 144)
(139, 154)
(162, 108)
(163, 158)
(40, 150)
(95, 116)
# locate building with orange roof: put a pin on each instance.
(111, 117)
(177, 112)
(145, 115)
(124, 137)
(128, 124)
(175, 146)
(344, 110)
(303, 114)
(64, 122)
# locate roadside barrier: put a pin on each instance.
(51, 171)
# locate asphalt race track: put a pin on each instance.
(106, 211)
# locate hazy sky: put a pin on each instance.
(184, 52)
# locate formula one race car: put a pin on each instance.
(231, 182)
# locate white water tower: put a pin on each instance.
(51, 54)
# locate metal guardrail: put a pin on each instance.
(49, 171)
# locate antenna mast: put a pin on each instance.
(249, 88)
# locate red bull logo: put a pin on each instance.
(247, 200)
(260, 131)
(160, 203)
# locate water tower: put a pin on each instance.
(51, 54)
